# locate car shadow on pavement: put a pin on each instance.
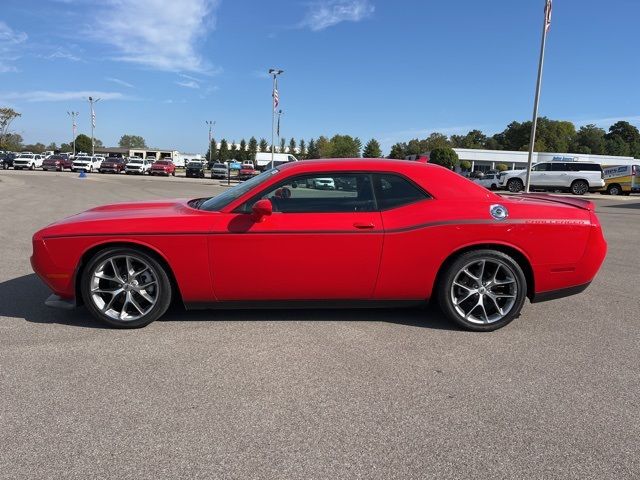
(23, 297)
(423, 317)
(634, 206)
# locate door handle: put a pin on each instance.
(364, 226)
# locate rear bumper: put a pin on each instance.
(560, 293)
(55, 301)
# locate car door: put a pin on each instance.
(559, 176)
(316, 245)
(540, 174)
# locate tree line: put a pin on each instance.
(621, 139)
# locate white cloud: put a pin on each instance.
(608, 121)
(188, 84)
(63, 55)
(119, 82)
(156, 33)
(47, 96)
(10, 41)
(326, 13)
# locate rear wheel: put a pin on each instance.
(579, 187)
(125, 287)
(482, 290)
(515, 185)
(614, 189)
(32, 166)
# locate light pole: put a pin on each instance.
(93, 122)
(73, 116)
(274, 72)
(211, 124)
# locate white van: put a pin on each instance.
(263, 159)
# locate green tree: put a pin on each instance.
(66, 147)
(7, 116)
(398, 151)
(253, 148)
(52, 146)
(444, 156)
(292, 146)
(344, 146)
(132, 141)
(83, 143)
(12, 142)
(433, 141)
(589, 139)
(551, 136)
(473, 139)
(35, 147)
(283, 144)
(501, 167)
(617, 146)
(372, 149)
(264, 145)
(323, 145)
(223, 151)
(624, 130)
(233, 151)
(312, 150)
(302, 149)
(242, 151)
(213, 151)
(465, 165)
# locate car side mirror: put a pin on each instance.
(261, 209)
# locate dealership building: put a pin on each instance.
(484, 160)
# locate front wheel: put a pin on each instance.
(32, 166)
(614, 189)
(482, 290)
(579, 187)
(515, 185)
(125, 287)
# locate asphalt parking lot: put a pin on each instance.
(305, 393)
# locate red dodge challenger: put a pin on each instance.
(391, 232)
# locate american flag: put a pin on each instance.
(547, 16)
(276, 98)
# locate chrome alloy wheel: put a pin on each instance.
(124, 287)
(484, 291)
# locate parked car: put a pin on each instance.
(621, 179)
(67, 161)
(195, 170)
(27, 160)
(163, 167)
(53, 162)
(7, 160)
(112, 165)
(490, 181)
(263, 159)
(247, 171)
(219, 170)
(576, 177)
(87, 163)
(137, 166)
(411, 232)
(323, 183)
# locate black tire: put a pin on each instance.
(515, 185)
(32, 166)
(614, 189)
(445, 285)
(579, 187)
(91, 169)
(164, 293)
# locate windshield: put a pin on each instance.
(162, 163)
(83, 159)
(217, 203)
(136, 162)
(219, 165)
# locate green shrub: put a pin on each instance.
(444, 156)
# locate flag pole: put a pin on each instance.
(274, 105)
(534, 123)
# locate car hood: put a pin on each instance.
(160, 217)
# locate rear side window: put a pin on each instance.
(395, 191)
(581, 167)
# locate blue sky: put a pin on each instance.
(389, 69)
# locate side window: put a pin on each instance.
(324, 193)
(542, 167)
(560, 167)
(394, 191)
